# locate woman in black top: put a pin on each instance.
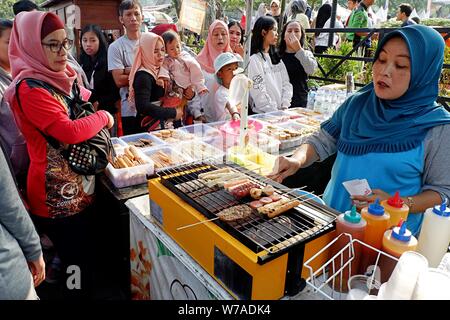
(299, 62)
(93, 59)
(146, 89)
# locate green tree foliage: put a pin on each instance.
(348, 66)
(6, 9)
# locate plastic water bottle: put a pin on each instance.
(319, 101)
(350, 83)
(311, 98)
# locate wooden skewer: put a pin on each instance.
(197, 223)
(213, 219)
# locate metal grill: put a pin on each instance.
(258, 232)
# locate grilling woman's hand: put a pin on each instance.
(283, 168)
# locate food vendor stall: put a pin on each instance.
(169, 149)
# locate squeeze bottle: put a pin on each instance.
(397, 209)
(395, 242)
(435, 234)
(377, 223)
(349, 222)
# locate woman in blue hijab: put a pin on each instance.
(390, 132)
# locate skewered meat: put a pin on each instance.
(211, 174)
(255, 204)
(255, 193)
(268, 190)
(266, 200)
(276, 208)
(242, 190)
(235, 213)
(275, 197)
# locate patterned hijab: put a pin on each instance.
(366, 123)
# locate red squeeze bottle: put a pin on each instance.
(397, 209)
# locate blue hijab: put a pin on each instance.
(366, 123)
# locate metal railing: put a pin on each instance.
(326, 76)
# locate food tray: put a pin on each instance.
(230, 140)
(126, 177)
(304, 132)
(265, 143)
(252, 159)
(198, 150)
(133, 139)
(176, 158)
(173, 136)
(274, 117)
(278, 132)
(118, 144)
(201, 131)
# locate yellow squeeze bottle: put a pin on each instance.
(395, 242)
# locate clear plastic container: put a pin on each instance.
(289, 134)
(165, 157)
(118, 144)
(252, 159)
(142, 140)
(306, 112)
(173, 136)
(265, 143)
(274, 117)
(200, 151)
(201, 131)
(230, 140)
(131, 176)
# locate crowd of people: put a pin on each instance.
(147, 81)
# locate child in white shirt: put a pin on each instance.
(225, 65)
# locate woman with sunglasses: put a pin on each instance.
(60, 201)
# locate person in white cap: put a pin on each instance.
(225, 65)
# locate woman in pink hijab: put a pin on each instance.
(218, 42)
(60, 200)
(145, 90)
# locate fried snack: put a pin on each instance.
(128, 159)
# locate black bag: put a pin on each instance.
(91, 156)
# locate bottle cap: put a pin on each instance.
(442, 210)
(352, 216)
(401, 233)
(395, 201)
(375, 208)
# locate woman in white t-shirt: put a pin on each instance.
(271, 90)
